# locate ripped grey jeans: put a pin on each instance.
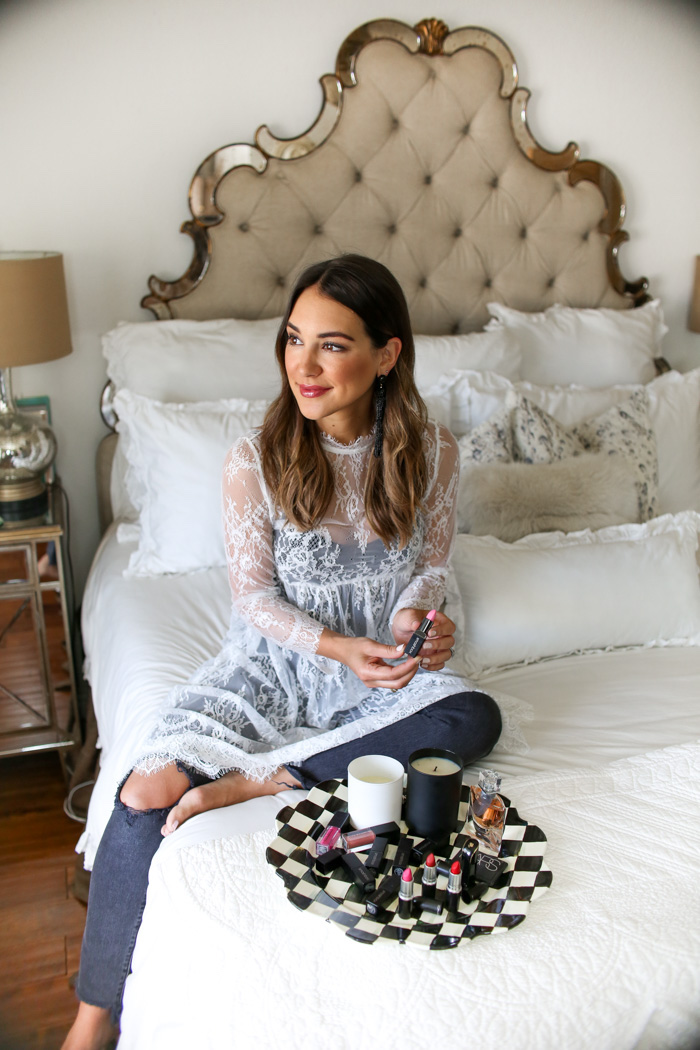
(468, 723)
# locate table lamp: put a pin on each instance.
(694, 315)
(34, 328)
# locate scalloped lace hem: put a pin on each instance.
(213, 758)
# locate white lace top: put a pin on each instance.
(267, 698)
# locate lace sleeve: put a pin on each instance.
(426, 588)
(256, 592)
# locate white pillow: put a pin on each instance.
(480, 351)
(674, 413)
(552, 594)
(592, 347)
(194, 360)
(176, 454)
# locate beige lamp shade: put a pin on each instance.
(694, 316)
(34, 324)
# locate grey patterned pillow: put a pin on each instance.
(490, 442)
(624, 429)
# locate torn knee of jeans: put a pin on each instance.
(131, 813)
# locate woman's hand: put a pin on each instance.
(437, 648)
(367, 659)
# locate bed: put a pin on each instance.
(574, 584)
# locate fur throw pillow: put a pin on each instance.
(511, 500)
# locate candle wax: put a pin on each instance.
(439, 767)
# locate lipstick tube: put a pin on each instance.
(329, 838)
(384, 894)
(415, 642)
(376, 854)
(429, 876)
(361, 875)
(328, 861)
(470, 853)
(454, 887)
(403, 855)
(427, 904)
(406, 894)
(421, 850)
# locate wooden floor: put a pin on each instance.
(41, 924)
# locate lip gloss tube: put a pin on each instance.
(329, 838)
(415, 642)
(406, 894)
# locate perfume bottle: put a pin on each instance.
(487, 812)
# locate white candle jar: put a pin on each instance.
(375, 790)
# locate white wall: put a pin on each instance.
(108, 106)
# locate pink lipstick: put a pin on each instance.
(312, 391)
(406, 894)
(415, 642)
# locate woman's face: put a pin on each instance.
(332, 366)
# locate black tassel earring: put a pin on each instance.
(380, 403)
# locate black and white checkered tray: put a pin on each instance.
(337, 899)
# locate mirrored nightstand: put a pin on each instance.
(38, 700)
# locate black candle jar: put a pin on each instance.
(433, 793)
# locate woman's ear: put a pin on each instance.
(390, 354)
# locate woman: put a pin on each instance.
(339, 516)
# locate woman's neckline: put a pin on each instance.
(360, 444)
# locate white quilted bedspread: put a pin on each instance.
(608, 958)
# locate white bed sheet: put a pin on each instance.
(223, 959)
(143, 635)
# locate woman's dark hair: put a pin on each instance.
(295, 466)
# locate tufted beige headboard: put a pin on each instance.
(421, 157)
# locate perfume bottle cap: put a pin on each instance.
(489, 781)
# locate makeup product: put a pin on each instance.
(406, 894)
(375, 790)
(444, 866)
(427, 904)
(403, 855)
(468, 857)
(376, 853)
(489, 868)
(327, 861)
(362, 876)
(421, 850)
(331, 833)
(433, 793)
(415, 643)
(487, 812)
(473, 892)
(364, 837)
(384, 894)
(454, 887)
(429, 876)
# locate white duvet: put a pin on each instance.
(608, 958)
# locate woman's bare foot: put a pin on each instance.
(92, 1030)
(226, 791)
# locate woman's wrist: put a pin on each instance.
(333, 645)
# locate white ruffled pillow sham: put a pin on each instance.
(594, 347)
(471, 398)
(553, 594)
(175, 455)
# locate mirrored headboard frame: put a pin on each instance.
(262, 211)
